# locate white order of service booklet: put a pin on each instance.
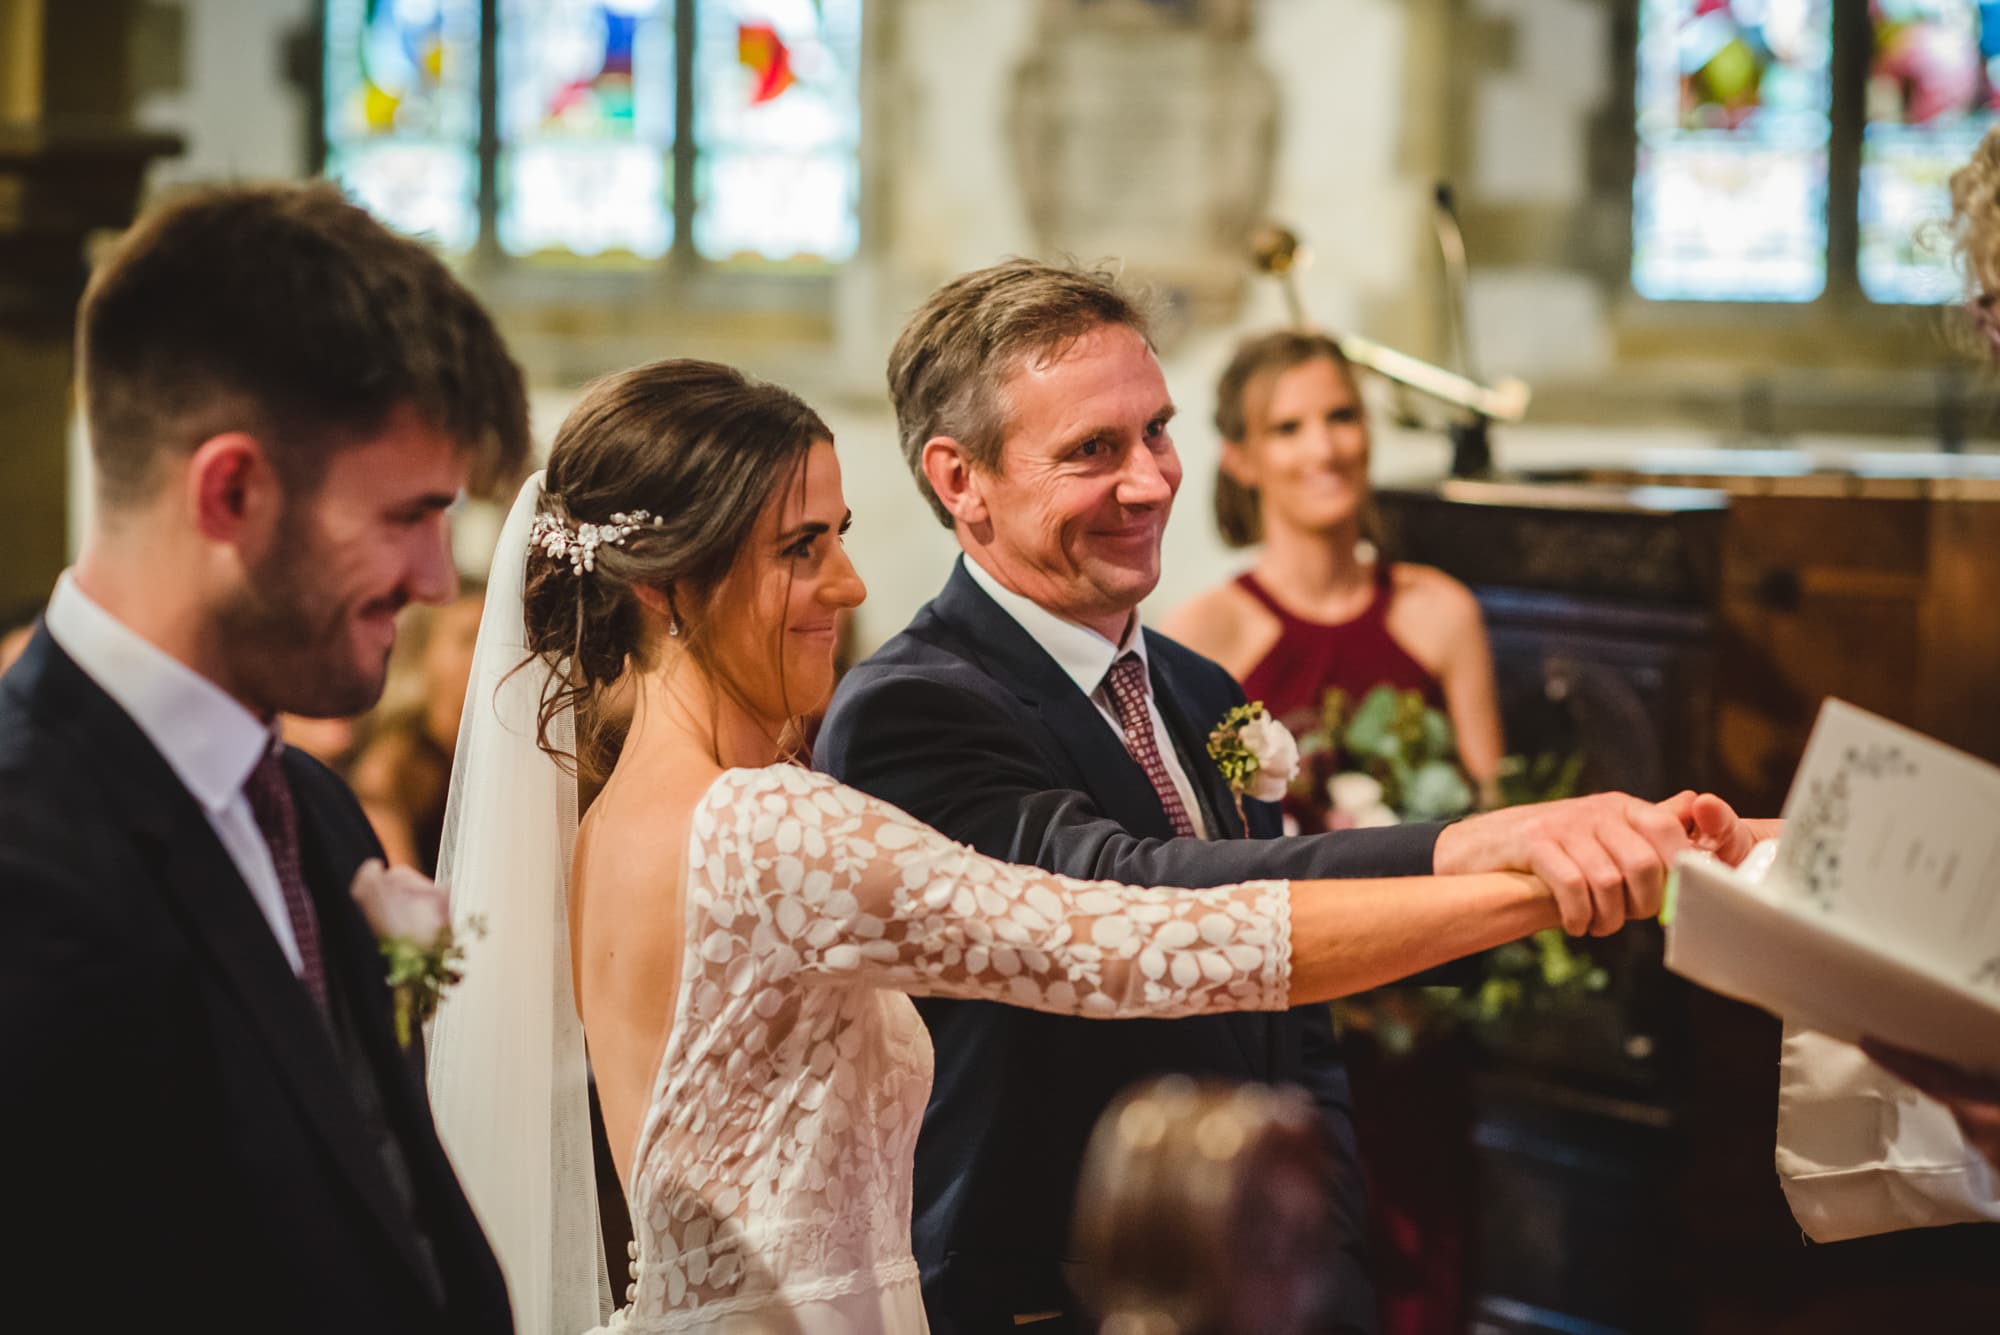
(1880, 916)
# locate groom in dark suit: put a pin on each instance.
(207, 1122)
(1025, 712)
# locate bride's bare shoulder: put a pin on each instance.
(628, 931)
(635, 832)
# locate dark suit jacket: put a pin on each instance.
(966, 723)
(184, 1148)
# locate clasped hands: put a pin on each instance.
(1606, 857)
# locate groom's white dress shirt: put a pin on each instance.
(1086, 658)
(209, 740)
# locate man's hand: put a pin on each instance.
(1605, 856)
(1974, 1100)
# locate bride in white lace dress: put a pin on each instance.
(745, 934)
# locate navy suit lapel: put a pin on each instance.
(331, 857)
(333, 844)
(233, 933)
(351, 954)
(1109, 774)
(1180, 705)
(1190, 733)
(206, 892)
(997, 644)
(1103, 767)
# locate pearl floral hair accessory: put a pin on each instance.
(554, 536)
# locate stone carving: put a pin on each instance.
(1144, 132)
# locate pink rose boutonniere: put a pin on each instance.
(410, 915)
(1255, 753)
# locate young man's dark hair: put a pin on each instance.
(291, 314)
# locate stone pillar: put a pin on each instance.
(71, 164)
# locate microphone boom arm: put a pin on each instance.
(1504, 401)
(1275, 250)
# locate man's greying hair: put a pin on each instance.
(952, 359)
(290, 314)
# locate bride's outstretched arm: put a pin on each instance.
(1348, 936)
(847, 887)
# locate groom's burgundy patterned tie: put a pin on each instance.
(271, 802)
(1128, 691)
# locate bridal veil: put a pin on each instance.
(508, 1080)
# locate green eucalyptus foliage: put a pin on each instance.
(418, 975)
(1226, 748)
(1409, 748)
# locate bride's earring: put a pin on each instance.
(673, 629)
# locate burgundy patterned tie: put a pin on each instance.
(1127, 681)
(271, 802)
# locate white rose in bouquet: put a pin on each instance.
(1354, 792)
(1271, 744)
(1357, 802)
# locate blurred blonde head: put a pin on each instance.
(1203, 1209)
(1975, 232)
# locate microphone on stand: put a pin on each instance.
(1471, 439)
(1451, 247)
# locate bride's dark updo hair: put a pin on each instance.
(702, 447)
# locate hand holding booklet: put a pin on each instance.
(1880, 915)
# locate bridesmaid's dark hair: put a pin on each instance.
(1251, 373)
(699, 445)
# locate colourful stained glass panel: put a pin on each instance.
(1931, 94)
(1729, 198)
(586, 127)
(402, 112)
(777, 129)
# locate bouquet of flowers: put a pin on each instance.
(1388, 758)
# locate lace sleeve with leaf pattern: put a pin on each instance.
(806, 875)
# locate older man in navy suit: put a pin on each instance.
(208, 1122)
(1026, 712)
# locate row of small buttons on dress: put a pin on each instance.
(632, 1289)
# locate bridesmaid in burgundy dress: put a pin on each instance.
(1322, 609)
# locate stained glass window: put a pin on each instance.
(402, 112)
(586, 126)
(587, 144)
(777, 128)
(1931, 94)
(1729, 198)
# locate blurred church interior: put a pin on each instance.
(1704, 239)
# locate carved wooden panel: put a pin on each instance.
(1625, 1153)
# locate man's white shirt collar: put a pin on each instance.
(206, 735)
(1086, 658)
(1084, 655)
